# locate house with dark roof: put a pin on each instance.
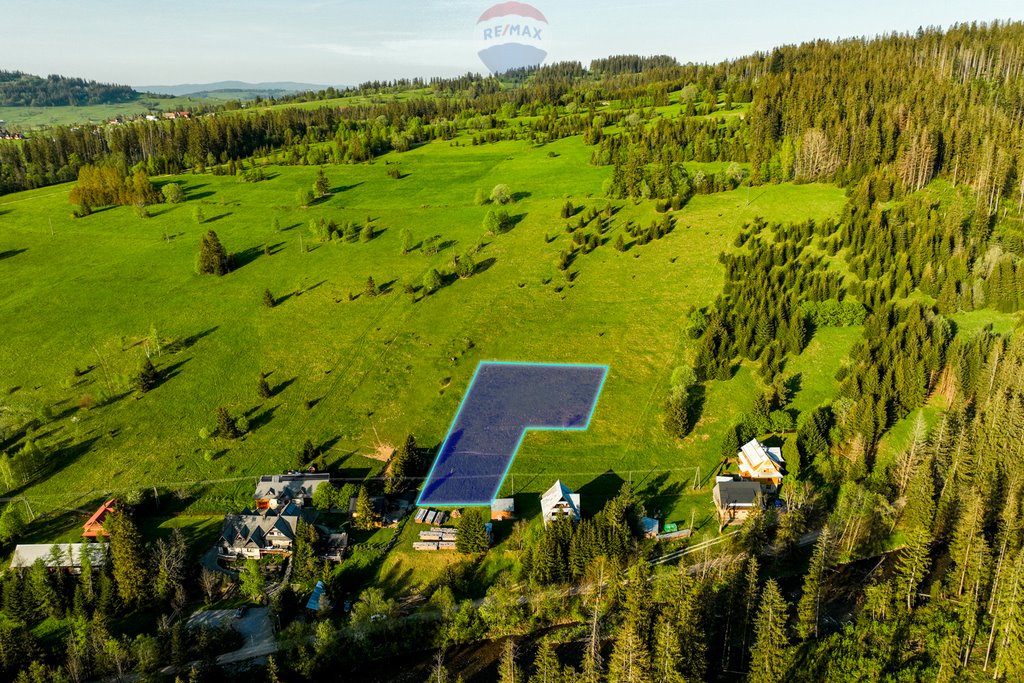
(256, 533)
(735, 499)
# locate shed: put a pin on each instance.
(650, 526)
(503, 508)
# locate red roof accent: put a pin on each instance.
(504, 8)
(94, 527)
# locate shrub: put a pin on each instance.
(501, 194)
(172, 193)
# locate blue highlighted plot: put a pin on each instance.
(503, 402)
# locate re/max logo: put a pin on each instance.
(512, 30)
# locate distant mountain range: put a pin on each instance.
(279, 88)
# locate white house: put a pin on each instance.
(558, 501)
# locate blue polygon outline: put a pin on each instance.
(527, 428)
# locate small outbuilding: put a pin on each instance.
(502, 509)
(651, 527)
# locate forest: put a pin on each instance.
(19, 89)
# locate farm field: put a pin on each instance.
(86, 293)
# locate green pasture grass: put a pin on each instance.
(84, 293)
(969, 323)
(817, 364)
(26, 118)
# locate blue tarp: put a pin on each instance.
(503, 402)
(314, 599)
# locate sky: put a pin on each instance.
(343, 42)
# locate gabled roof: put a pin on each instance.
(757, 455)
(741, 493)
(301, 485)
(94, 526)
(559, 493)
(252, 529)
(70, 554)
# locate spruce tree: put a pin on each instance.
(508, 668)
(809, 608)
(127, 555)
(263, 387)
(371, 287)
(225, 424)
(147, 377)
(364, 509)
(472, 536)
(321, 186)
(767, 655)
(308, 454)
(213, 259)
(667, 653)
(268, 299)
(545, 664)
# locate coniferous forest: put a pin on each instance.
(872, 565)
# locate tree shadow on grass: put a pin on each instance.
(521, 195)
(262, 418)
(485, 265)
(66, 454)
(659, 494)
(240, 259)
(171, 371)
(189, 195)
(595, 493)
(190, 341)
(278, 389)
(10, 253)
(346, 188)
(219, 216)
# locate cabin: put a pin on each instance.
(57, 555)
(761, 464)
(277, 490)
(94, 526)
(502, 509)
(559, 501)
(736, 499)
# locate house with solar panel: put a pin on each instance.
(558, 502)
(761, 464)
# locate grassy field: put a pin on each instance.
(27, 118)
(85, 294)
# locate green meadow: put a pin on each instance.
(25, 118)
(350, 371)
